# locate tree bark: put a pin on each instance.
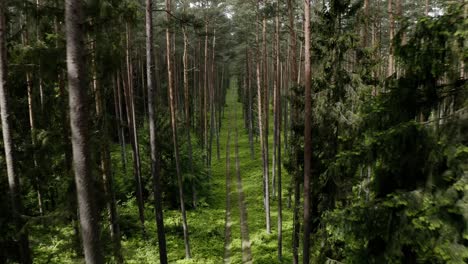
(119, 121)
(250, 105)
(277, 131)
(106, 165)
(174, 131)
(260, 118)
(391, 31)
(205, 96)
(307, 134)
(265, 110)
(426, 10)
(365, 27)
(13, 179)
(78, 101)
(155, 173)
(129, 103)
(294, 117)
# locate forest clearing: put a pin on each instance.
(236, 131)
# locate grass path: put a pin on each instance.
(263, 246)
(215, 233)
(228, 223)
(244, 225)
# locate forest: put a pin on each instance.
(236, 131)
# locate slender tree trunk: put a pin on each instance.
(427, 6)
(278, 132)
(200, 94)
(250, 105)
(265, 110)
(187, 113)
(119, 117)
(205, 96)
(110, 193)
(365, 27)
(294, 119)
(29, 84)
(129, 103)
(13, 179)
(106, 166)
(391, 59)
(307, 135)
(73, 207)
(174, 131)
(155, 173)
(214, 97)
(78, 101)
(260, 122)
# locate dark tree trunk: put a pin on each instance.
(79, 120)
(155, 173)
(13, 179)
(106, 165)
(119, 119)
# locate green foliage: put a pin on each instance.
(391, 177)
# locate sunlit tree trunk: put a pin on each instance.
(250, 105)
(277, 131)
(391, 32)
(129, 103)
(307, 134)
(32, 124)
(205, 96)
(260, 116)
(265, 110)
(174, 130)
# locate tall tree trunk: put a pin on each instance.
(260, 120)
(106, 166)
(78, 102)
(250, 105)
(73, 206)
(391, 31)
(187, 113)
(129, 103)
(265, 110)
(174, 131)
(205, 96)
(365, 26)
(213, 96)
(119, 119)
(294, 119)
(307, 134)
(278, 131)
(29, 85)
(427, 6)
(155, 173)
(200, 94)
(13, 179)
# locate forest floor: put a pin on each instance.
(207, 224)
